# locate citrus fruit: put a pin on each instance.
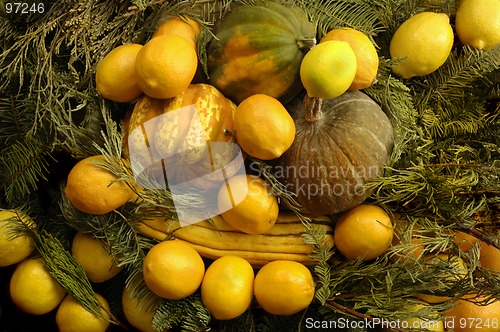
(328, 69)
(15, 246)
(181, 26)
(489, 257)
(95, 190)
(115, 75)
(95, 258)
(477, 23)
(33, 289)
(71, 316)
(431, 323)
(166, 66)
(139, 313)
(422, 44)
(173, 269)
(366, 55)
(472, 317)
(459, 270)
(247, 203)
(264, 128)
(464, 241)
(284, 287)
(227, 287)
(363, 232)
(412, 247)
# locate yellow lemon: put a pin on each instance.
(422, 43)
(457, 264)
(227, 287)
(363, 232)
(71, 316)
(477, 23)
(284, 287)
(467, 316)
(264, 128)
(14, 246)
(173, 269)
(182, 26)
(139, 313)
(95, 258)
(328, 69)
(95, 190)
(247, 203)
(115, 75)
(366, 55)
(165, 66)
(430, 323)
(33, 289)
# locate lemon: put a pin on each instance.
(165, 66)
(94, 257)
(477, 23)
(422, 44)
(430, 323)
(363, 232)
(14, 247)
(328, 69)
(227, 287)
(33, 289)
(173, 269)
(457, 264)
(115, 75)
(71, 316)
(262, 111)
(247, 203)
(366, 55)
(139, 313)
(466, 316)
(95, 190)
(284, 287)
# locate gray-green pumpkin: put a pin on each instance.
(340, 145)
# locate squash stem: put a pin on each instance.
(306, 43)
(312, 106)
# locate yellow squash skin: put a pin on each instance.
(215, 238)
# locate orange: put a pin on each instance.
(166, 66)
(366, 55)
(33, 289)
(181, 26)
(471, 317)
(264, 128)
(15, 246)
(115, 75)
(71, 316)
(363, 232)
(227, 287)
(328, 69)
(284, 287)
(95, 190)
(173, 269)
(247, 203)
(95, 258)
(412, 247)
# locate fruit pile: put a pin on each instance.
(238, 177)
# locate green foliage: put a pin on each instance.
(443, 174)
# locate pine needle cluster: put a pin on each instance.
(443, 175)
